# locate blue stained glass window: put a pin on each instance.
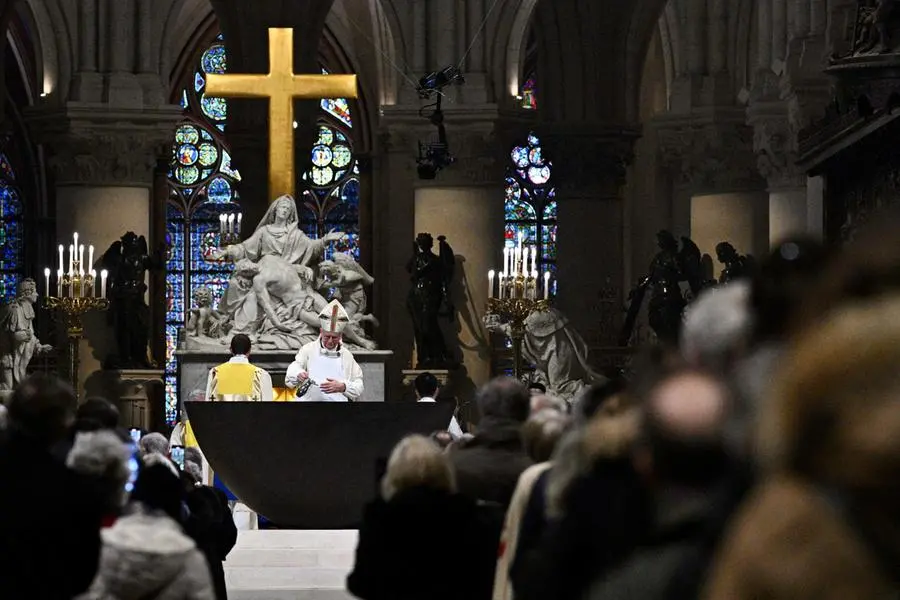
(204, 185)
(331, 198)
(531, 206)
(339, 108)
(11, 235)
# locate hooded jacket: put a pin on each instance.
(146, 556)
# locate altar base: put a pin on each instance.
(194, 368)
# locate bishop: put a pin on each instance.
(325, 364)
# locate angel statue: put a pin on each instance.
(18, 343)
(670, 267)
(429, 298)
(347, 278)
(127, 262)
(558, 352)
(205, 320)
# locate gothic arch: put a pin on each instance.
(53, 45)
(186, 29)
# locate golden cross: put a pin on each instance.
(281, 86)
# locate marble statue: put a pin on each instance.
(128, 261)
(18, 343)
(275, 294)
(558, 352)
(205, 319)
(429, 298)
(348, 278)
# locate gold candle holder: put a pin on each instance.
(514, 312)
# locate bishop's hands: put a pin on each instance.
(293, 380)
(333, 387)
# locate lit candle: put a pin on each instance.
(505, 260)
(47, 281)
(92, 289)
(502, 287)
(239, 217)
(71, 259)
(231, 223)
(81, 260)
(534, 264)
(222, 219)
(103, 275)
(59, 282)
(490, 283)
(76, 240)
(91, 256)
(61, 251)
(546, 285)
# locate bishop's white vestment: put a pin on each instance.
(320, 365)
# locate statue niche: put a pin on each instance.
(128, 261)
(429, 299)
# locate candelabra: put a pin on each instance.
(517, 296)
(229, 229)
(77, 293)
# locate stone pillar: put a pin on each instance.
(713, 164)
(103, 178)
(590, 166)
(472, 219)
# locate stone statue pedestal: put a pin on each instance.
(409, 378)
(138, 393)
(194, 369)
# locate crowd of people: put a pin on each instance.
(88, 512)
(760, 458)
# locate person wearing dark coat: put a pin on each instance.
(488, 466)
(49, 515)
(212, 528)
(420, 539)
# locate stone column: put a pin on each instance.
(775, 145)
(465, 203)
(713, 164)
(590, 167)
(103, 177)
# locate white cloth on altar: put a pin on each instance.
(453, 429)
(350, 374)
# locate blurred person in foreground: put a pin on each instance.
(420, 539)
(146, 555)
(154, 443)
(541, 434)
(49, 516)
(488, 466)
(682, 456)
(589, 510)
(104, 458)
(824, 522)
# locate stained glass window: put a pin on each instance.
(203, 185)
(528, 95)
(11, 238)
(531, 207)
(330, 199)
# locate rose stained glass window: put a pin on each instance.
(203, 184)
(11, 237)
(531, 206)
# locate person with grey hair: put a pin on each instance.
(488, 465)
(717, 327)
(102, 457)
(404, 550)
(154, 443)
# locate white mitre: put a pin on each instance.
(334, 318)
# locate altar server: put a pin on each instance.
(334, 374)
(238, 380)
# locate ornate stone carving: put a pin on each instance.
(775, 146)
(105, 147)
(710, 157)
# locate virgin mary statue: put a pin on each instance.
(278, 234)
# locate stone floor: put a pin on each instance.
(290, 565)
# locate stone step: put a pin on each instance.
(282, 564)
